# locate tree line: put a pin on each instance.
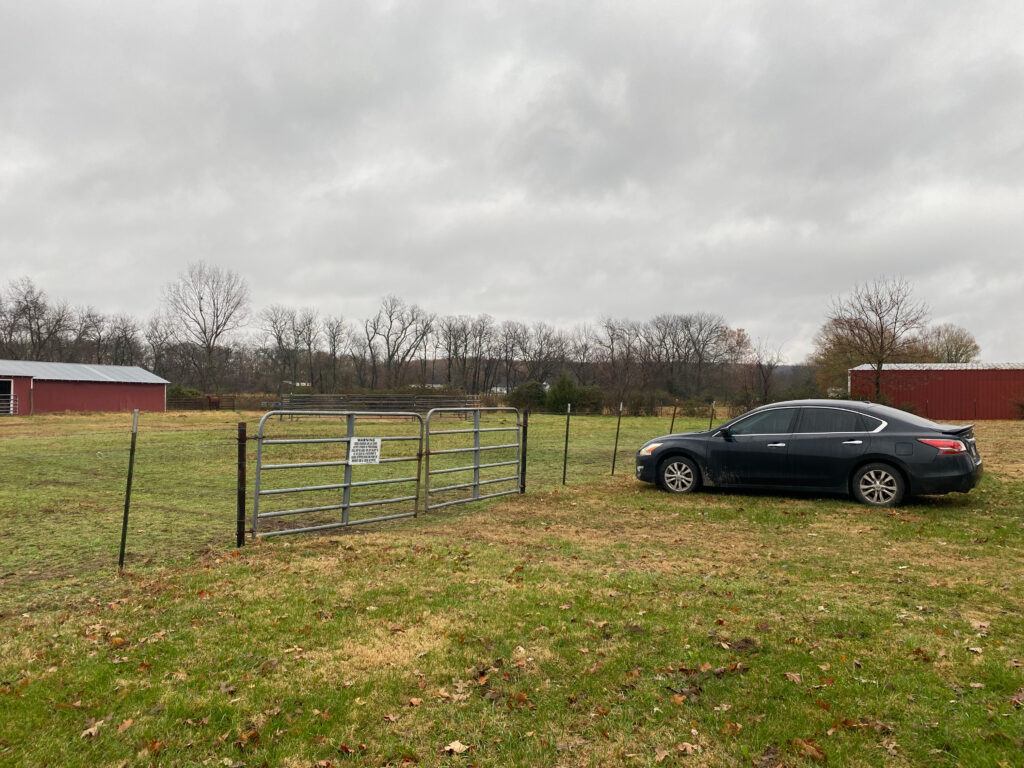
(206, 336)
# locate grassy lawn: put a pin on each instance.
(603, 623)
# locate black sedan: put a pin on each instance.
(878, 454)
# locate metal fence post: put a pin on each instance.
(565, 454)
(615, 451)
(672, 426)
(522, 451)
(711, 418)
(476, 454)
(128, 490)
(346, 492)
(240, 497)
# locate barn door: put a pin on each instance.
(6, 397)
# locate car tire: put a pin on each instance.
(879, 485)
(678, 474)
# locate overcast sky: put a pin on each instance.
(558, 161)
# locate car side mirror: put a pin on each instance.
(725, 433)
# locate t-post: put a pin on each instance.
(615, 451)
(565, 453)
(128, 490)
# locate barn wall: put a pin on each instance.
(952, 394)
(56, 396)
(22, 386)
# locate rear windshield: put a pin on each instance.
(887, 413)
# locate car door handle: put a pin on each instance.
(853, 442)
(776, 445)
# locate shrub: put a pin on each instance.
(565, 391)
(528, 395)
(178, 392)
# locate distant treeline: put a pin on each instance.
(694, 356)
(204, 336)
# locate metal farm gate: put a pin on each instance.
(339, 463)
(492, 445)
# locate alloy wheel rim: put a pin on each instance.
(878, 486)
(679, 476)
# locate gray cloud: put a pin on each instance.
(557, 162)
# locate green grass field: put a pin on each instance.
(603, 623)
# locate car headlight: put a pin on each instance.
(648, 449)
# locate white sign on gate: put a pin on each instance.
(364, 450)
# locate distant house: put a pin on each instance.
(946, 390)
(28, 387)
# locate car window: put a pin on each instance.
(895, 414)
(776, 421)
(871, 422)
(817, 420)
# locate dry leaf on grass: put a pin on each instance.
(92, 731)
(809, 748)
(456, 748)
(794, 677)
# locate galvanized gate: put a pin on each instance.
(305, 448)
(494, 444)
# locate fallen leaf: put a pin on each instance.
(92, 731)
(809, 748)
(456, 748)
(794, 677)
(1018, 698)
(125, 725)
(687, 748)
(770, 758)
(660, 755)
(414, 702)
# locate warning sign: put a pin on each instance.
(364, 450)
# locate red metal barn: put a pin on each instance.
(28, 387)
(952, 391)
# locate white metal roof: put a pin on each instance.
(120, 374)
(943, 367)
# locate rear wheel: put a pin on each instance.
(879, 485)
(678, 474)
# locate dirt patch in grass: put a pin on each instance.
(388, 648)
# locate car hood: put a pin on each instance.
(676, 436)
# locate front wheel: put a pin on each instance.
(879, 485)
(677, 474)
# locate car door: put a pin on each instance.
(825, 446)
(753, 450)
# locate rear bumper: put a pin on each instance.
(958, 477)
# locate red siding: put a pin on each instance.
(56, 396)
(947, 394)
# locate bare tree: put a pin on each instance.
(765, 360)
(335, 333)
(949, 343)
(306, 332)
(394, 334)
(158, 338)
(879, 322)
(207, 302)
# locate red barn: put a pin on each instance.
(28, 387)
(954, 391)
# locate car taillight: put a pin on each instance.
(946, 447)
